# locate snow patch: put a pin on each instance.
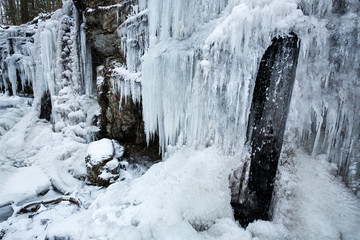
(22, 184)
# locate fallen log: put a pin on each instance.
(35, 206)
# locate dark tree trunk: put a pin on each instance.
(24, 11)
(339, 6)
(46, 107)
(11, 11)
(267, 120)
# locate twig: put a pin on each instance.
(33, 207)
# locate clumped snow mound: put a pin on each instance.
(187, 197)
(12, 109)
(100, 150)
(175, 199)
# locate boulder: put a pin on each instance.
(103, 161)
(5, 212)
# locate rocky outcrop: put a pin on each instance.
(112, 35)
(269, 109)
(102, 20)
(123, 123)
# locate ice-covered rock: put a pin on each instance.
(102, 161)
(119, 96)
(5, 212)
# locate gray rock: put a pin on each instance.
(5, 213)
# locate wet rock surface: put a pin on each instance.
(46, 107)
(105, 20)
(102, 20)
(267, 120)
(124, 124)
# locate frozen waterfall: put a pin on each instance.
(199, 71)
(51, 55)
(193, 65)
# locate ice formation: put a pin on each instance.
(199, 71)
(51, 54)
(193, 65)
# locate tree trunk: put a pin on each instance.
(11, 11)
(267, 120)
(24, 11)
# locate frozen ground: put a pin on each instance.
(184, 197)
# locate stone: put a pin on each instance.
(5, 212)
(103, 161)
(106, 27)
(266, 127)
(46, 107)
(102, 20)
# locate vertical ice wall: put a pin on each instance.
(198, 82)
(134, 34)
(57, 60)
(198, 74)
(326, 101)
(17, 67)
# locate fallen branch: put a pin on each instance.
(33, 207)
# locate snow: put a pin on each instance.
(22, 184)
(170, 198)
(100, 150)
(54, 58)
(186, 196)
(325, 208)
(172, 201)
(193, 67)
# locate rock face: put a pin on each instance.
(125, 123)
(103, 161)
(267, 120)
(45, 108)
(102, 20)
(111, 37)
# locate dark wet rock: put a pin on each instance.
(267, 120)
(124, 124)
(102, 20)
(46, 107)
(83, 4)
(105, 21)
(5, 212)
(339, 6)
(105, 45)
